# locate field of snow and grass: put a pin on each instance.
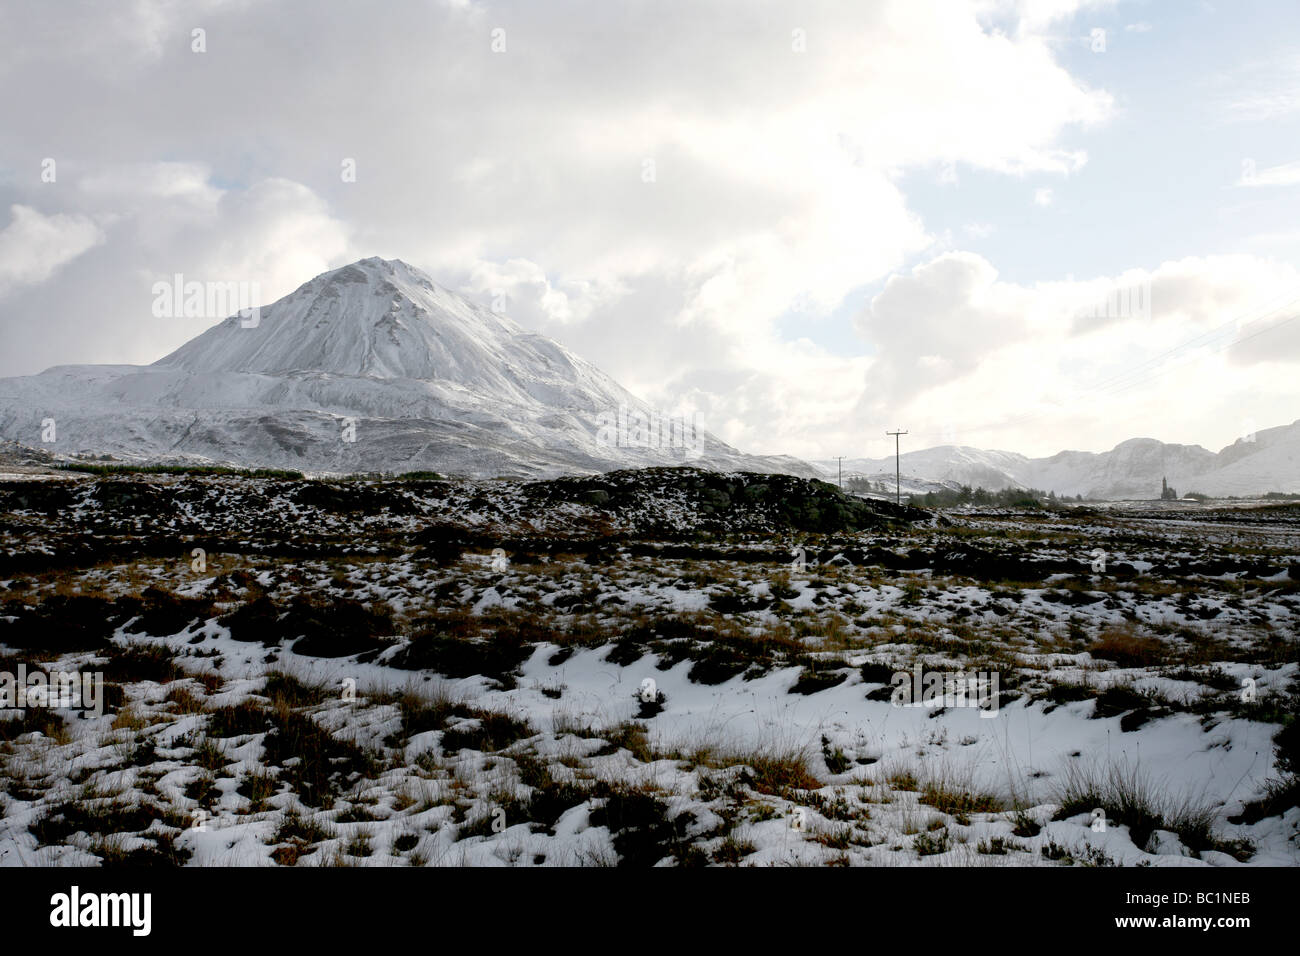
(666, 666)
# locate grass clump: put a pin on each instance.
(630, 736)
(834, 757)
(238, 720)
(1137, 707)
(948, 797)
(778, 773)
(1128, 797)
(932, 842)
(1126, 648)
(42, 720)
(487, 731)
(108, 821)
(317, 765)
(296, 837)
(142, 662)
(163, 613)
(818, 676)
(443, 651)
(642, 829)
(285, 690)
(732, 850)
(62, 623)
(185, 700)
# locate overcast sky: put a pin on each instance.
(809, 222)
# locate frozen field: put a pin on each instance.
(659, 667)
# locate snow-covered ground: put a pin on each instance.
(499, 673)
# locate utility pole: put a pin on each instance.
(840, 459)
(898, 470)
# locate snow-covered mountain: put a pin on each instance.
(1267, 461)
(370, 367)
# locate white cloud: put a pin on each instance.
(777, 173)
(528, 295)
(1037, 16)
(165, 219)
(34, 246)
(1287, 174)
(937, 321)
(1196, 341)
(1042, 196)
(188, 183)
(1261, 91)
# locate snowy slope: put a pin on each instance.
(1132, 469)
(427, 380)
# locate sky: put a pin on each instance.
(1029, 226)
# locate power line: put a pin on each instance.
(1233, 321)
(1116, 383)
(898, 470)
(1229, 345)
(1106, 384)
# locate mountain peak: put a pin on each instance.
(378, 318)
(424, 377)
(376, 265)
(386, 275)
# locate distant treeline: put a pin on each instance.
(1037, 498)
(95, 469)
(390, 476)
(207, 470)
(1003, 498)
(1268, 496)
(866, 487)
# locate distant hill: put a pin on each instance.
(1132, 469)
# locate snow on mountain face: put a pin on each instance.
(1267, 461)
(386, 320)
(370, 367)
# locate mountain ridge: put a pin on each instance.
(373, 366)
(368, 367)
(1268, 460)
